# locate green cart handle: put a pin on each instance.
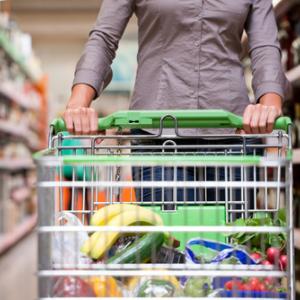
(169, 118)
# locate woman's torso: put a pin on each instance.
(189, 55)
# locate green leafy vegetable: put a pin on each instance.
(256, 240)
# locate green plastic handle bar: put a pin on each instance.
(184, 119)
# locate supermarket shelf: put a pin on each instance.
(283, 6)
(296, 156)
(16, 164)
(8, 91)
(20, 131)
(31, 71)
(20, 194)
(10, 239)
(297, 238)
(293, 76)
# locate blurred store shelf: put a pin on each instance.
(9, 239)
(293, 76)
(29, 68)
(296, 156)
(20, 131)
(18, 271)
(21, 194)
(283, 6)
(297, 238)
(23, 130)
(9, 91)
(16, 164)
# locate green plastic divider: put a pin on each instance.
(163, 159)
(184, 118)
(194, 215)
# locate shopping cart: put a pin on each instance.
(135, 214)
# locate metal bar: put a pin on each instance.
(145, 273)
(134, 229)
(96, 267)
(107, 184)
(158, 298)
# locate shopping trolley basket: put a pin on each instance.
(165, 214)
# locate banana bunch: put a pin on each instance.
(116, 215)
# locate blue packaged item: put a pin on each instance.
(250, 294)
(224, 252)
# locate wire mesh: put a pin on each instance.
(135, 215)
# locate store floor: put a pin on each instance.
(17, 271)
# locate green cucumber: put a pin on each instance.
(141, 250)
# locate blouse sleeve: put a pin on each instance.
(94, 66)
(264, 49)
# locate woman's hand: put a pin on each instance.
(80, 118)
(260, 118)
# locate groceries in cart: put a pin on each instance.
(232, 255)
(201, 217)
(121, 248)
(155, 287)
(66, 247)
(160, 248)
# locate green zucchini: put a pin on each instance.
(141, 250)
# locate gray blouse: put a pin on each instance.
(189, 52)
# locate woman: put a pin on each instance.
(189, 58)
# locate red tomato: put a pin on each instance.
(273, 255)
(254, 283)
(269, 281)
(238, 285)
(256, 256)
(266, 263)
(233, 285)
(228, 285)
(262, 287)
(283, 262)
(247, 287)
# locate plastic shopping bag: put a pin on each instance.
(66, 245)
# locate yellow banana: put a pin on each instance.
(102, 217)
(89, 244)
(105, 240)
(104, 214)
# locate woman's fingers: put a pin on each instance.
(93, 119)
(255, 118)
(262, 123)
(260, 119)
(85, 122)
(247, 118)
(82, 120)
(272, 116)
(69, 121)
(76, 115)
